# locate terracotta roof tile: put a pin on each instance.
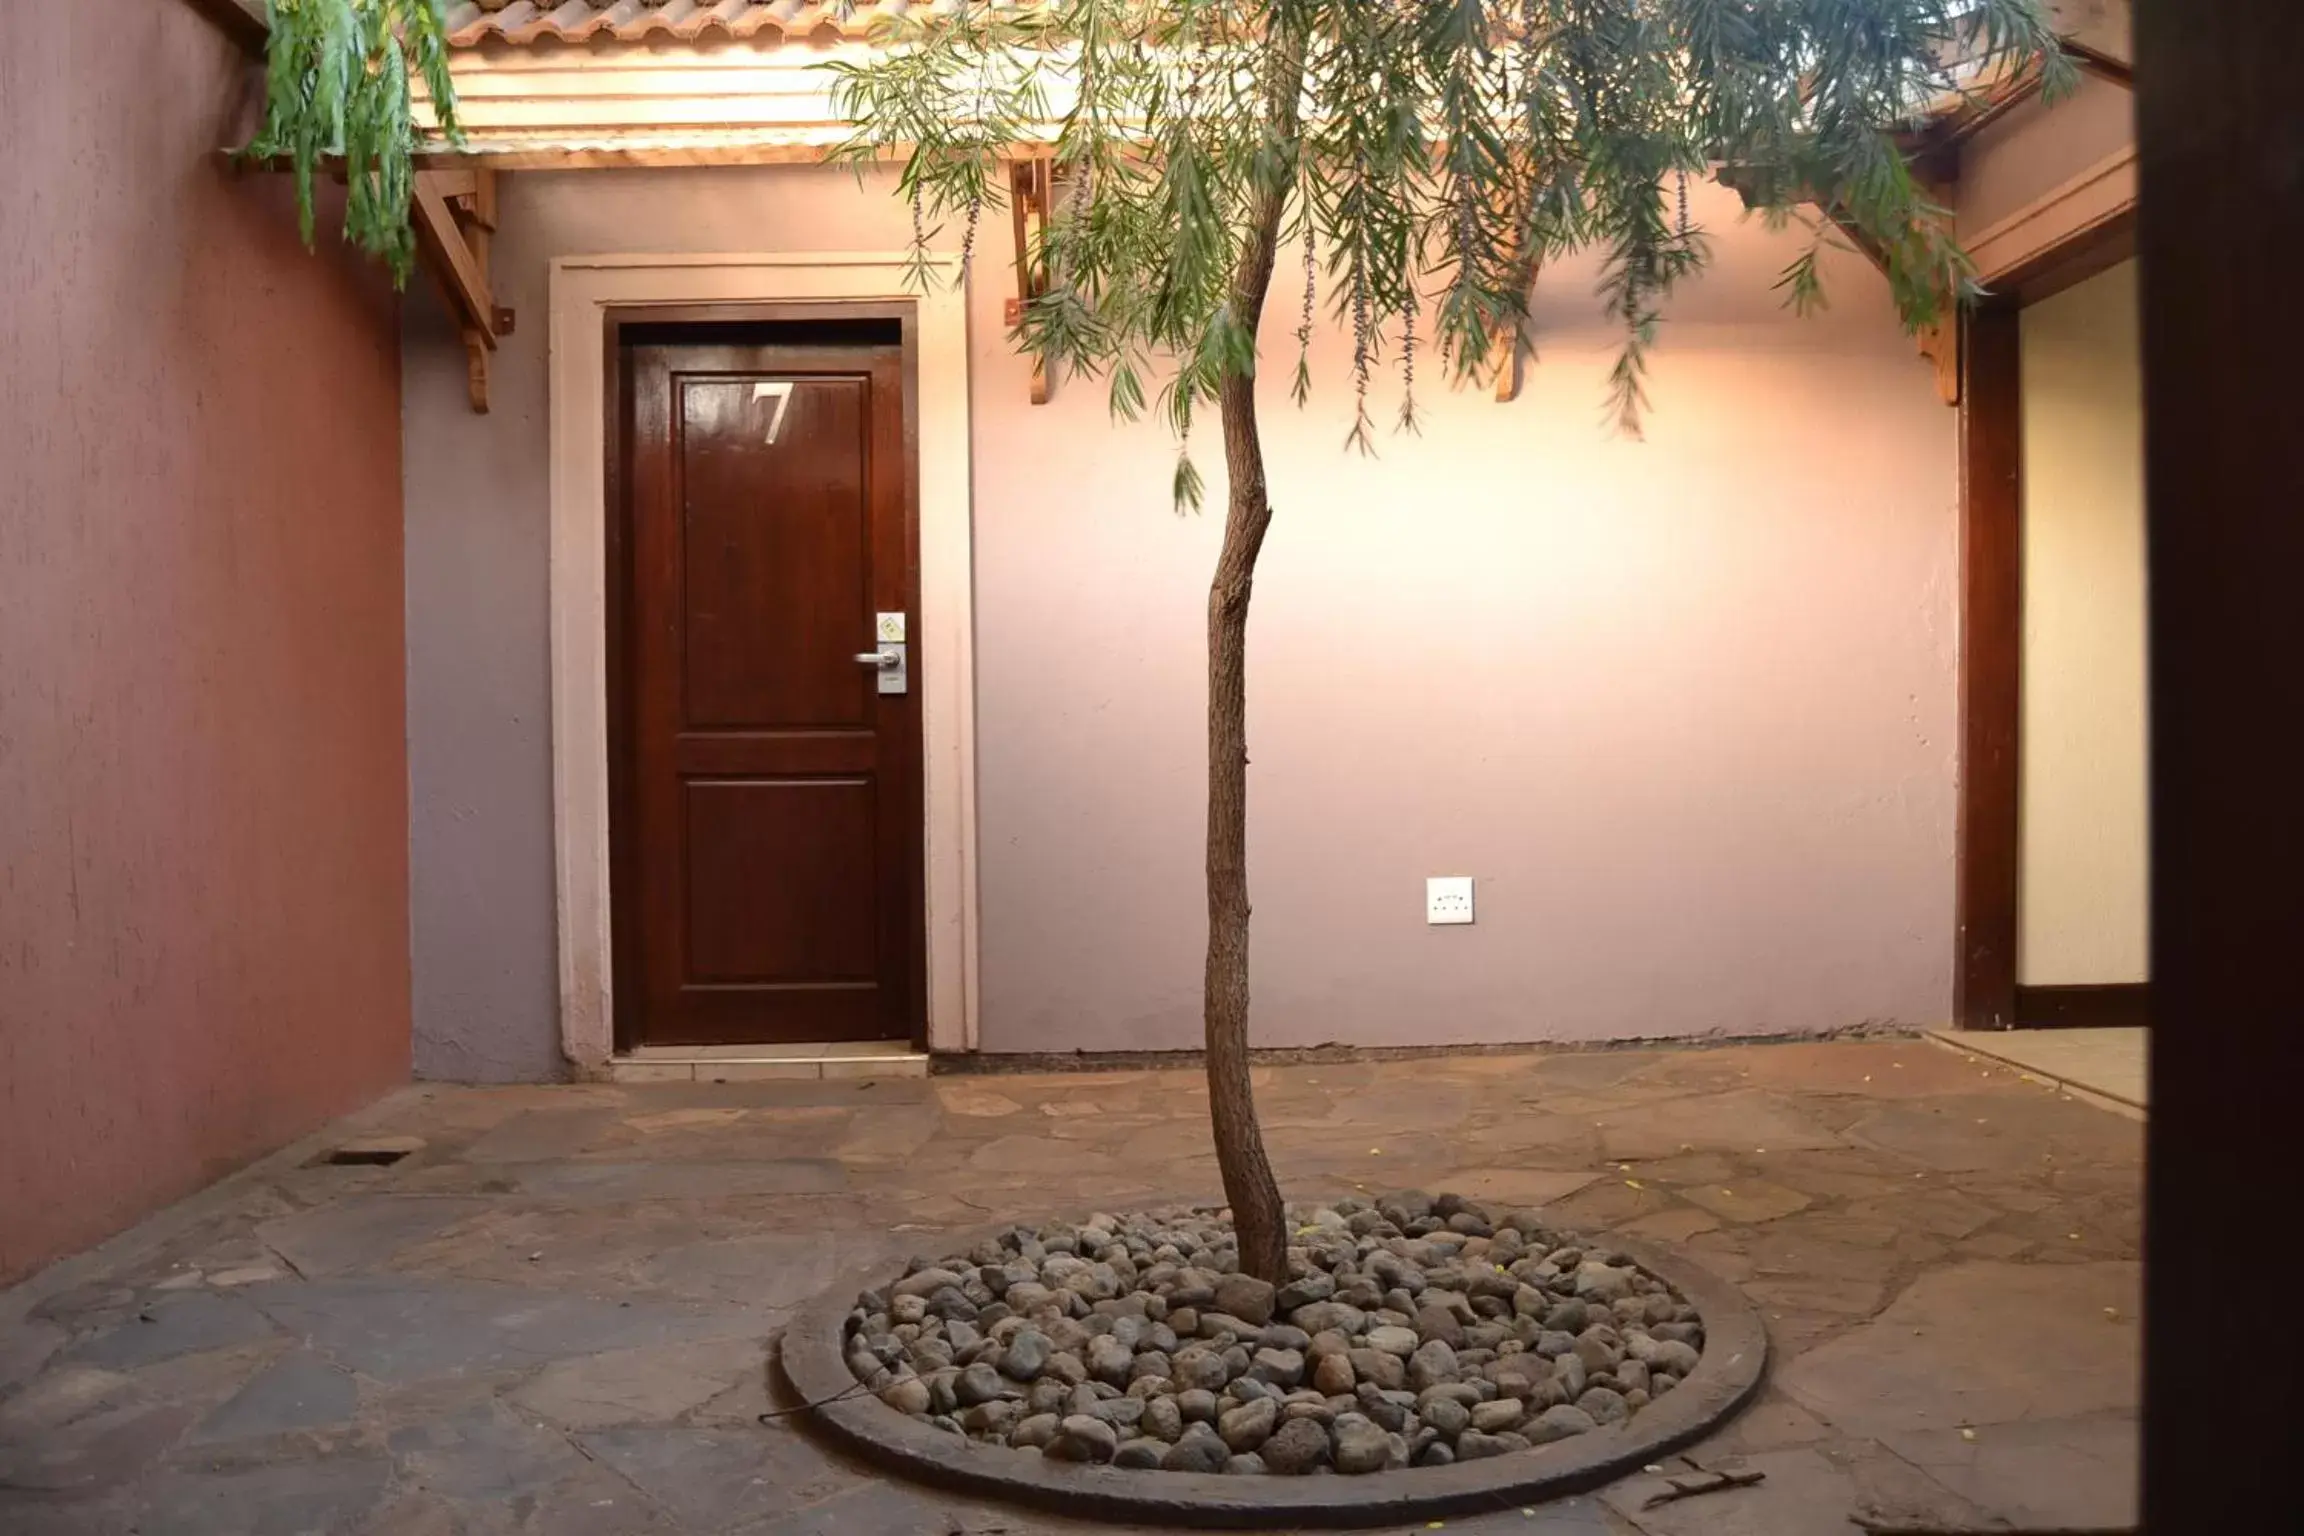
(473, 22)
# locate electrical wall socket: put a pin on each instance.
(1448, 899)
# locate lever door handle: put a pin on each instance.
(881, 659)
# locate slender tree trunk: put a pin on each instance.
(1257, 1216)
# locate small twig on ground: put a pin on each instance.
(1705, 1481)
(773, 1414)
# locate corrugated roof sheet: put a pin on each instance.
(474, 22)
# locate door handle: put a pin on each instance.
(888, 662)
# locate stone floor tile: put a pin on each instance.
(1904, 1069)
(963, 1096)
(2040, 1473)
(894, 1134)
(1747, 1200)
(61, 1395)
(1940, 1212)
(1614, 1201)
(541, 1135)
(1515, 1186)
(590, 1501)
(317, 1497)
(1037, 1155)
(1690, 1168)
(1584, 1515)
(714, 1480)
(362, 1233)
(626, 1183)
(405, 1330)
(885, 1508)
(1675, 1224)
(766, 1271)
(1844, 1296)
(25, 1350)
(486, 1454)
(1804, 1492)
(298, 1391)
(1774, 1422)
(179, 1324)
(1981, 1343)
(1589, 1069)
(640, 1386)
(1727, 1122)
(25, 1514)
(94, 1454)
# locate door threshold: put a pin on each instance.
(768, 1063)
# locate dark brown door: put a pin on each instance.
(772, 863)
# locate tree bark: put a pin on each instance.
(1258, 1219)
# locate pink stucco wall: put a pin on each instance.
(203, 836)
(1684, 707)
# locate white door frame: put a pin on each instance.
(583, 287)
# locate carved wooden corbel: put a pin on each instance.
(1504, 352)
(455, 217)
(1939, 343)
(1031, 203)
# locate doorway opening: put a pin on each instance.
(2053, 842)
(766, 815)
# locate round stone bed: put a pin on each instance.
(1428, 1356)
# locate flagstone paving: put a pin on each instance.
(556, 1316)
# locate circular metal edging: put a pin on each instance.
(1728, 1373)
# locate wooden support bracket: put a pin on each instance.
(455, 216)
(1504, 352)
(1031, 203)
(1938, 343)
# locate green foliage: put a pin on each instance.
(1438, 150)
(337, 89)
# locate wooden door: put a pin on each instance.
(771, 872)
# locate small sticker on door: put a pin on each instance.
(781, 393)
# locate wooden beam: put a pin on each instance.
(1991, 639)
(2102, 65)
(1031, 195)
(1938, 343)
(455, 246)
(442, 241)
(1504, 352)
(240, 20)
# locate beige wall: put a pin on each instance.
(2083, 902)
(1684, 707)
(203, 793)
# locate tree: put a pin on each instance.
(1427, 155)
(337, 90)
